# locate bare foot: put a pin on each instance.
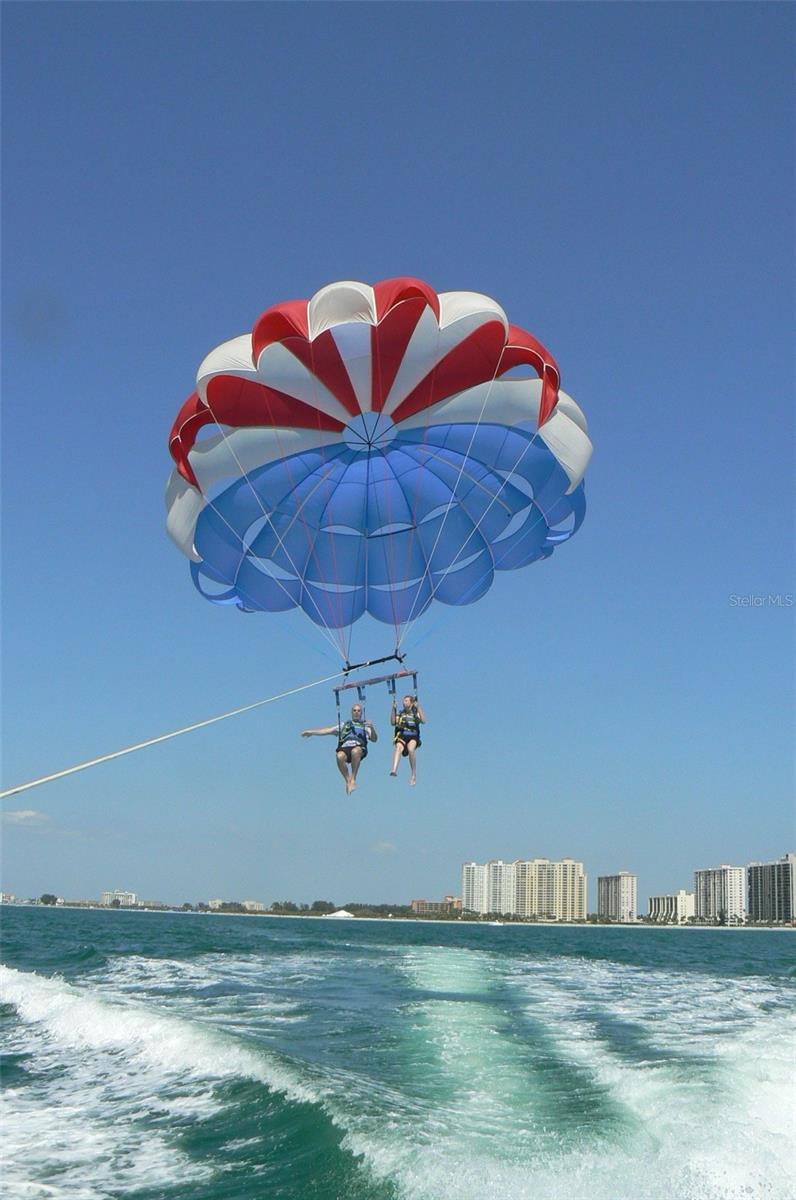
(412, 781)
(348, 782)
(353, 785)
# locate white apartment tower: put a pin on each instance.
(616, 896)
(500, 888)
(719, 894)
(473, 887)
(526, 888)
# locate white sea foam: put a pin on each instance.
(107, 1067)
(174, 979)
(90, 1156)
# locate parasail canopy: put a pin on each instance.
(373, 450)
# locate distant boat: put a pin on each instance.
(341, 914)
(497, 922)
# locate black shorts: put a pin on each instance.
(404, 739)
(347, 751)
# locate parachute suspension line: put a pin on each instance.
(387, 517)
(474, 586)
(390, 550)
(445, 614)
(478, 523)
(367, 528)
(449, 505)
(234, 582)
(228, 445)
(381, 519)
(280, 538)
(392, 555)
(312, 541)
(164, 737)
(345, 639)
(299, 516)
(361, 544)
(413, 534)
(338, 641)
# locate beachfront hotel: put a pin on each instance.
(118, 899)
(772, 890)
(674, 909)
(616, 896)
(719, 894)
(435, 908)
(530, 888)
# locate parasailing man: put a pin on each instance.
(352, 743)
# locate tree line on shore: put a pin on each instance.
(320, 908)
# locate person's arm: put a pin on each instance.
(421, 716)
(374, 737)
(319, 732)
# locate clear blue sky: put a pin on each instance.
(620, 178)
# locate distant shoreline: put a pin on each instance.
(176, 912)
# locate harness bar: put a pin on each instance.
(362, 683)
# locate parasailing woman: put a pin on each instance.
(406, 739)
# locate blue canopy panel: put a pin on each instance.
(340, 531)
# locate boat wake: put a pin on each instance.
(475, 1075)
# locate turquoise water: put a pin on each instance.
(189, 1057)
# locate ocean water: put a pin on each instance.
(188, 1057)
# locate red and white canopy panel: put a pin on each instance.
(370, 450)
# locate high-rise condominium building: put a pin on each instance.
(473, 887)
(719, 894)
(772, 890)
(672, 910)
(616, 896)
(526, 888)
(488, 887)
(500, 887)
(552, 889)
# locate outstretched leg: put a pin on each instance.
(342, 766)
(396, 757)
(411, 748)
(356, 759)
